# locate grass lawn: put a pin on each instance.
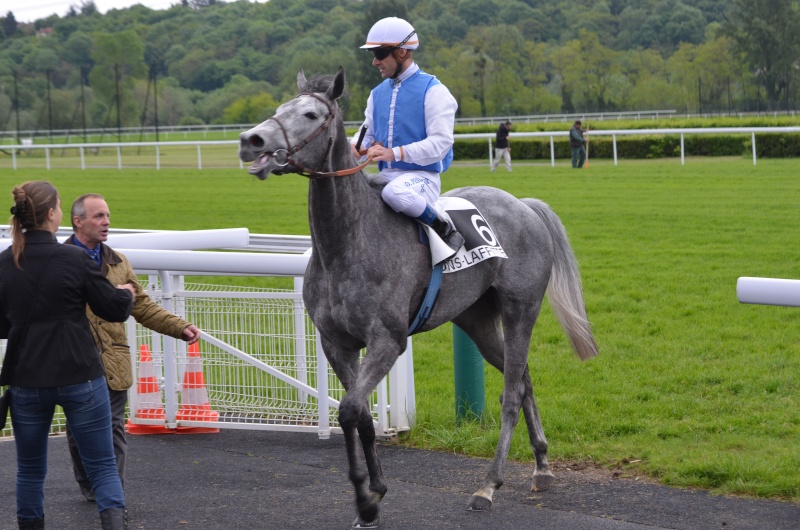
(690, 387)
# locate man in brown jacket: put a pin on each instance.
(90, 221)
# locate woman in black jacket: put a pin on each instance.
(51, 358)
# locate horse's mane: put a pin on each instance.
(319, 82)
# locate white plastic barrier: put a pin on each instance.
(178, 240)
(257, 264)
(183, 240)
(768, 291)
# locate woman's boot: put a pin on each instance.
(114, 519)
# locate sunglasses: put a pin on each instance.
(381, 53)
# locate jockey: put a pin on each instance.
(409, 124)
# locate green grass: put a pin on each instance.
(690, 387)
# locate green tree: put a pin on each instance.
(588, 71)
(703, 74)
(119, 61)
(40, 59)
(77, 50)
(767, 32)
(645, 84)
(88, 8)
(566, 61)
(9, 24)
(251, 109)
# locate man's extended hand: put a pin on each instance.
(190, 334)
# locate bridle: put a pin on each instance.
(305, 171)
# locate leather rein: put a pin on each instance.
(305, 171)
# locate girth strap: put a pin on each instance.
(431, 295)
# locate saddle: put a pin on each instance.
(480, 243)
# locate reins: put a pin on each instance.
(305, 171)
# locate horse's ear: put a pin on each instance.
(337, 87)
(302, 83)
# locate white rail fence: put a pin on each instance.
(235, 128)
(82, 148)
(768, 291)
(262, 363)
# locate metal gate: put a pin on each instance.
(262, 364)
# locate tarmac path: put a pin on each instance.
(240, 479)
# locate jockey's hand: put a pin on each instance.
(357, 154)
(380, 153)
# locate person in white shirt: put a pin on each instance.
(409, 123)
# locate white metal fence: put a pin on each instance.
(262, 363)
(171, 132)
(231, 146)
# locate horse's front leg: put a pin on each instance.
(345, 364)
(366, 432)
(367, 501)
(354, 416)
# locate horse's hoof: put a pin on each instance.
(360, 523)
(541, 481)
(479, 504)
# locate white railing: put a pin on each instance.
(263, 364)
(768, 291)
(551, 135)
(166, 131)
(641, 132)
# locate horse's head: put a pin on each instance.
(298, 138)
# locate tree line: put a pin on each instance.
(210, 61)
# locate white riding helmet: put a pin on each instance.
(392, 31)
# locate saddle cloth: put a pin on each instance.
(480, 242)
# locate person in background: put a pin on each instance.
(577, 145)
(51, 358)
(90, 222)
(409, 123)
(502, 149)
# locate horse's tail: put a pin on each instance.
(564, 291)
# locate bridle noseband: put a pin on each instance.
(305, 171)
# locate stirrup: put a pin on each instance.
(448, 234)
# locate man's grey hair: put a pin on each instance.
(79, 207)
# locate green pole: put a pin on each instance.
(468, 369)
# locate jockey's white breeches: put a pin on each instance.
(409, 192)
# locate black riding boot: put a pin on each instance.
(35, 524)
(114, 519)
(447, 232)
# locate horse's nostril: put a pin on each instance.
(256, 141)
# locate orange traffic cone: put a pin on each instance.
(194, 396)
(149, 405)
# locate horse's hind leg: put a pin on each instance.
(482, 323)
(542, 476)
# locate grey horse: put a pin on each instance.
(368, 272)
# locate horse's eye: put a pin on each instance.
(311, 115)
